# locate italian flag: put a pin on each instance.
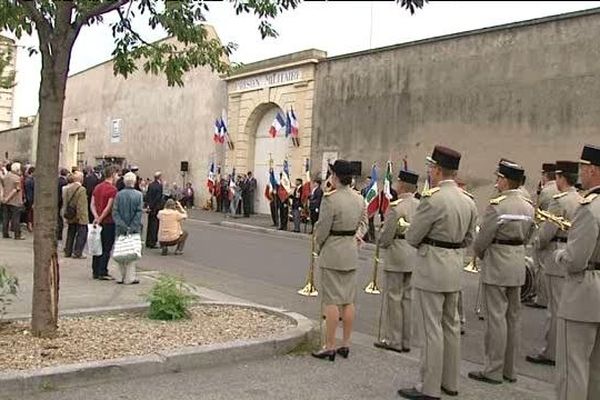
(386, 193)
(372, 194)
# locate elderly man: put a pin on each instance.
(75, 211)
(13, 202)
(154, 199)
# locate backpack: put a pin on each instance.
(70, 209)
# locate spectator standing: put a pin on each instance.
(154, 199)
(252, 185)
(90, 181)
(188, 196)
(62, 182)
(225, 194)
(13, 202)
(29, 192)
(103, 198)
(246, 197)
(75, 196)
(171, 233)
(297, 204)
(314, 203)
(127, 214)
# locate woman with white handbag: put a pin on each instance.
(127, 214)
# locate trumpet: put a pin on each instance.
(546, 216)
(372, 287)
(309, 288)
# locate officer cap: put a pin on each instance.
(342, 168)
(408, 177)
(548, 167)
(567, 167)
(510, 171)
(590, 155)
(445, 157)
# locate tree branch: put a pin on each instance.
(100, 10)
(37, 17)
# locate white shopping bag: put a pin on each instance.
(94, 240)
(127, 248)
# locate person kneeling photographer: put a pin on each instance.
(170, 231)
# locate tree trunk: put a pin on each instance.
(55, 65)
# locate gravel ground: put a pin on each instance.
(112, 336)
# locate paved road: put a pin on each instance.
(270, 268)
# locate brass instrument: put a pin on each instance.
(310, 289)
(546, 216)
(372, 287)
(472, 266)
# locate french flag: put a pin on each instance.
(217, 133)
(293, 122)
(222, 131)
(210, 183)
(277, 125)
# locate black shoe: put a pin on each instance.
(406, 350)
(414, 394)
(535, 305)
(5, 237)
(540, 359)
(510, 380)
(385, 346)
(164, 252)
(449, 392)
(343, 351)
(324, 354)
(479, 376)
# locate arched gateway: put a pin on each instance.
(257, 92)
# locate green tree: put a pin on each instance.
(57, 25)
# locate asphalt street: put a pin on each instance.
(268, 268)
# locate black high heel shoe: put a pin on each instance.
(343, 351)
(323, 354)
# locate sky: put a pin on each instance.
(335, 27)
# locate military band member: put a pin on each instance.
(550, 238)
(397, 269)
(343, 217)
(506, 226)
(548, 191)
(578, 330)
(443, 225)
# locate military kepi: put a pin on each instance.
(510, 171)
(445, 157)
(548, 167)
(590, 155)
(567, 167)
(408, 177)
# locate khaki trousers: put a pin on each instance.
(395, 312)
(541, 290)
(500, 341)
(554, 284)
(578, 360)
(440, 355)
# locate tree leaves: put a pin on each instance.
(411, 4)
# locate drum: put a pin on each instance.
(528, 288)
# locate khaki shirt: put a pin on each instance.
(445, 213)
(507, 217)
(581, 291)
(341, 210)
(399, 255)
(11, 182)
(565, 205)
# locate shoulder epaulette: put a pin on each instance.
(558, 196)
(527, 200)
(430, 192)
(329, 193)
(497, 200)
(589, 198)
(395, 203)
(467, 193)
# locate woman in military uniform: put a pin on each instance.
(343, 219)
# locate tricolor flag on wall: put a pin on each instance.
(372, 194)
(386, 193)
(293, 127)
(217, 133)
(278, 124)
(210, 182)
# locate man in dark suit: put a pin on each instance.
(89, 183)
(154, 199)
(252, 185)
(314, 203)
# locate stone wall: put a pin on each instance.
(527, 91)
(16, 144)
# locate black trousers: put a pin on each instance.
(76, 238)
(100, 263)
(314, 217)
(60, 226)
(152, 232)
(251, 202)
(284, 216)
(274, 215)
(247, 204)
(11, 218)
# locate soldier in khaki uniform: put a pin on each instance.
(399, 261)
(507, 225)
(550, 238)
(443, 225)
(578, 330)
(545, 197)
(342, 221)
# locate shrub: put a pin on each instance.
(169, 300)
(8, 289)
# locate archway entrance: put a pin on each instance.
(266, 148)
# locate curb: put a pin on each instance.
(176, 360)
(82, 312)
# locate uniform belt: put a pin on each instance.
(342, 233)
(594, 266)
(442, 244)
(400, 236)
(509, 242)
(559, 239)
